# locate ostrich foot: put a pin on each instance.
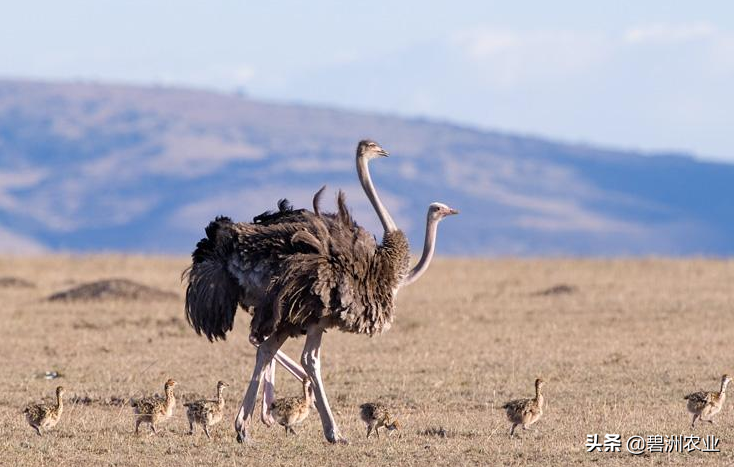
(336, 438)
(244, 438)
(240, 428)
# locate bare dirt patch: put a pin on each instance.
(11, 282)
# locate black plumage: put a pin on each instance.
(292, 268)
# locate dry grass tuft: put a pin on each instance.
(439, 432)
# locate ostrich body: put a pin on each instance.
(704, 405)
(154, 410)
(206, 412)
(292, 411)
(45, 416)
(436, 213)
(525, 412)
(300, 277)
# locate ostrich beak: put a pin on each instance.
(383, 153)
(453, 211)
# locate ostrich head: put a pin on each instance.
(369, 150)
(539, 383)
(725, 380)
(170, 384)
(437, 211)
(222, 385)
(60, 391)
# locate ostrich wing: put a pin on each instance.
(234, 265)
(342, 277)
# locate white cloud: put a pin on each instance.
(244, 74)
(481, 43)
(507, 57)
(660, 33)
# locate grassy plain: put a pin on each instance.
(619, 348)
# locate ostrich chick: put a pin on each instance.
(705, 405)
(375, 415)
(45, 415)
(291, 411)
(154, 410)
(525, 412)
(206, 412)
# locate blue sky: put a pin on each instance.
(654, 75)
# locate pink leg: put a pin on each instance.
(268, 394)
(311, 360)
(286, 362)
(290, 365)
(265, 354)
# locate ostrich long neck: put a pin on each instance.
(429, 246)
(170, 398)
(59, 402)
(363, 172)
(220, 396)
(539, 396)
(723, 387)
(307, 395)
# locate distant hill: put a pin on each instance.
(93, 167)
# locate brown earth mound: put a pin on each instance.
(112, 289)
(15, 282)
(561, 289)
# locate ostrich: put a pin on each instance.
(704, 405)
(45, 416)
(376, 415)
(206, 412)
(300, 277)
(292, 411)
(526, 412)
(436, 213)
(154, 410)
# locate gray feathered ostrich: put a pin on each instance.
(436, 213)
(298, 276)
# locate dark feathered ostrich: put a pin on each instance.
(436, 213)
(298, 277)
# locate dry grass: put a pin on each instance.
(620, 345)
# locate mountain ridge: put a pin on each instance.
(96, 167)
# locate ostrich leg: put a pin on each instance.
(311, 360)
(268, 394)
(285, 361)
(265, 353)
